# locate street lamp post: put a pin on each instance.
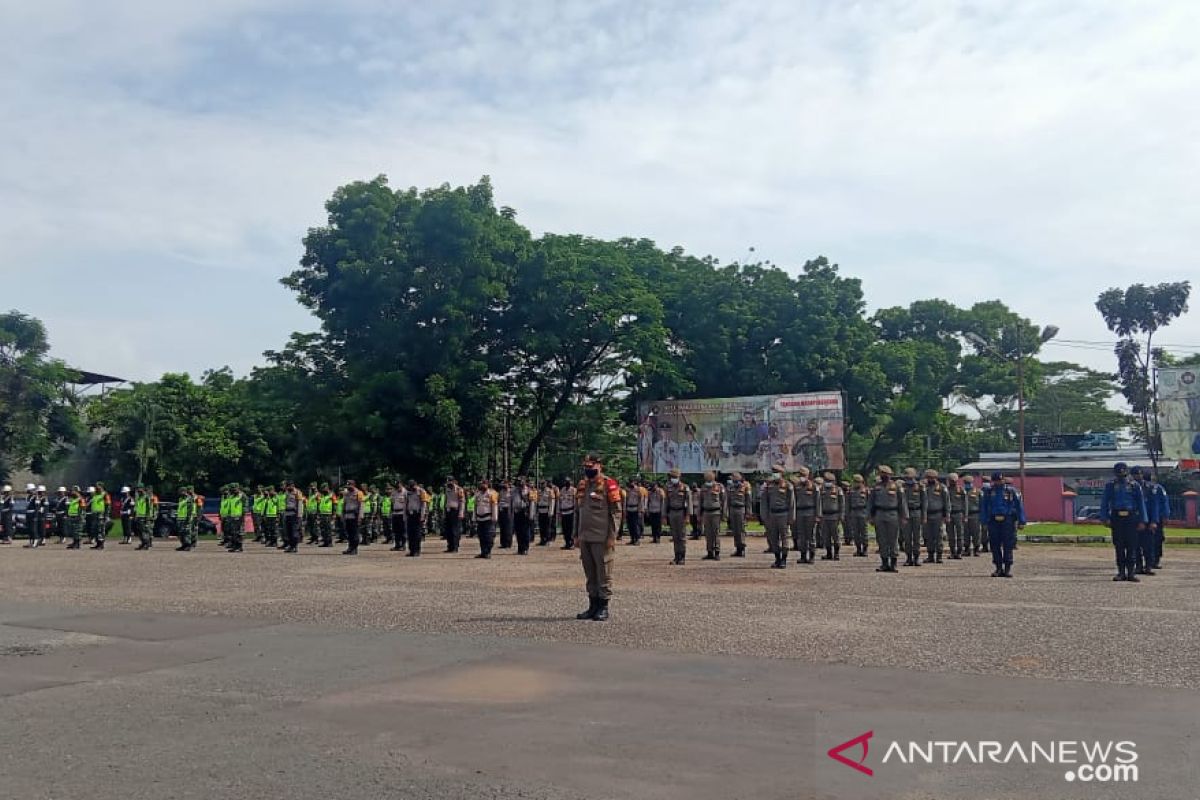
(1047, 333)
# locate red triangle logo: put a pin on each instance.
(836, 752)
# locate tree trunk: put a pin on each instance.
(547, 425)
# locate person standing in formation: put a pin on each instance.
(888, 512)
(237, 517)
(956, 522)
(973, 527)
(679, 503)
(808, 511)
(857, 497)
(935, 507)
(599, 518)
(777, 508)
(635, 508)
(522, 501)
(351, 509)
(911, 533)
(567, 501)
(712, 513)
(456, 508)
(547, 504)
(485, 513)
(506, 514)
(833, 514)
(1123, 508)
(1004, 512)
(7, 515)
(416, 511)
(656, 500)
(740, 498)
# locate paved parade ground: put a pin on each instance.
(164, 674)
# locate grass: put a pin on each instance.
(1067, 529)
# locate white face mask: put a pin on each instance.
(708, 484)
(776, 476)
(674, 481)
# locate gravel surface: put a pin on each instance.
(1060, 617)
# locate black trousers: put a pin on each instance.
(127, 526)
(545, 528)
(1125, 542)
(655, 520)
(506, 528)
(485, 531)
(350, 525)
(452, 529)
(633, 520)
(416, 532)
(291, 531)
(6, 525)
(413, 528)
(568, 529)
(521, 527)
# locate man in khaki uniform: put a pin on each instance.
(738, 500)
(857, 497)
(974, 527)
(599, 512)
(485, 515)
(956, 521)
(777, 505)
(712, 511)
(833, 514)
(934, 511)
(888, 512)
(656, 500)
(913, 527)
(679, 505)
(808, 511)
(566, 515)
(634, 500)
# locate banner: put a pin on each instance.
(1179, 412)
(743, 434)
(1050, 442)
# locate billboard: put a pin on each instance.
(1179, 412)
(743, 434)
(1052, 442)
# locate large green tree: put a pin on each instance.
(39, 420)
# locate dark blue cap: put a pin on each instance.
(1135, 470)
(997, 476)
(1120, 465)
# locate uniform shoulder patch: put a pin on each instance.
(614, 490)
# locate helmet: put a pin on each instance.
(62, 488)
(124, 490)
(7, 488)
(41, 488)
(1135, 470)
(91, 489)
(997, 476)
(29, 487)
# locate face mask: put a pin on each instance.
(967, 486)
(591, 472)
(776, 476)
(708, 484)
(674, 481)
(737, 483)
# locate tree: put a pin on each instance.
(1140, 311)
(1073, 399)
(38, 417)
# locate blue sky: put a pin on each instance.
(162, 160)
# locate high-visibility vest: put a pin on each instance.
(74, 507)
(236, 507)
(258, 504)
(385, 505)
(184, 509)
(97, 503)
(325, 504)
(224, 512)
(271, 507)
(340, 505)
(311, 504)
(141, 507)
(367, 507)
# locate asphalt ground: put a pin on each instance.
(208, 674)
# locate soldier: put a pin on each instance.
(396, 522)
(679, 503)
(974, 499)
(547, 504)
(352, 506)
(522, 502)
(833, 514)
(326, 504)
(635, 506)
(1156, 494)
(694, 512)
(100, 507)
(293, 508)
(1123, 507)
(366, 515)
(655, 502)
(888, 511)
(956, 522)
(126, 515)
(567, 501)
(312, 512)
(415, 510)
(185, 515)
(985, 487)
(935, 506)
(857, 498)
(485, 511)
(808, 511)
(7, 515)
(712, 514)
(76, 506)
(58, 507)
(143, 524)
(740, 498)
(258, 504)
(599, 516)
(777, 509)
(911, 534)
(506, 514)
(270, 517)
(1004, 512)
(223, 515)
(1154, 517)
(236, 509)
(37, 508)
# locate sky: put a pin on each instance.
(162, 160)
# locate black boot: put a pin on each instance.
(998, 572)
(1007, 571)
(601, 612)
(780, 562)
(739, 552)
(883, 565)
(892, 565)
(710, 556)
(593, 605)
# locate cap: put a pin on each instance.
(779, 468)
(91, 489)
(124, 490)
(997, 476)
(674, 473)
(884, 469)
(931, 473)
(910, 472)
(1135, 470)
(7, 488)
(803, 472)
(41, 488)
(829, 476)
(593, 458)
(1120, 465)
(953, 476)
(858, 477)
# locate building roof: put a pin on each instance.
(1064, 461)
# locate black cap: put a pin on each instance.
(1120, 466)
(997, 476)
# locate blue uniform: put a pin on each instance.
(1158, 511)
(1123, 508)
(1002, 509)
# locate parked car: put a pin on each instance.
(1097, 441)
(164, 525)
(1087, 514)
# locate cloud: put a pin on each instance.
(1037, 152)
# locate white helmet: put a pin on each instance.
(7, 488)
(29, 487)
(91, 489)
(124, 490)
(62, 488)
(41, 488)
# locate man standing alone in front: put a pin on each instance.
(599, 504)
